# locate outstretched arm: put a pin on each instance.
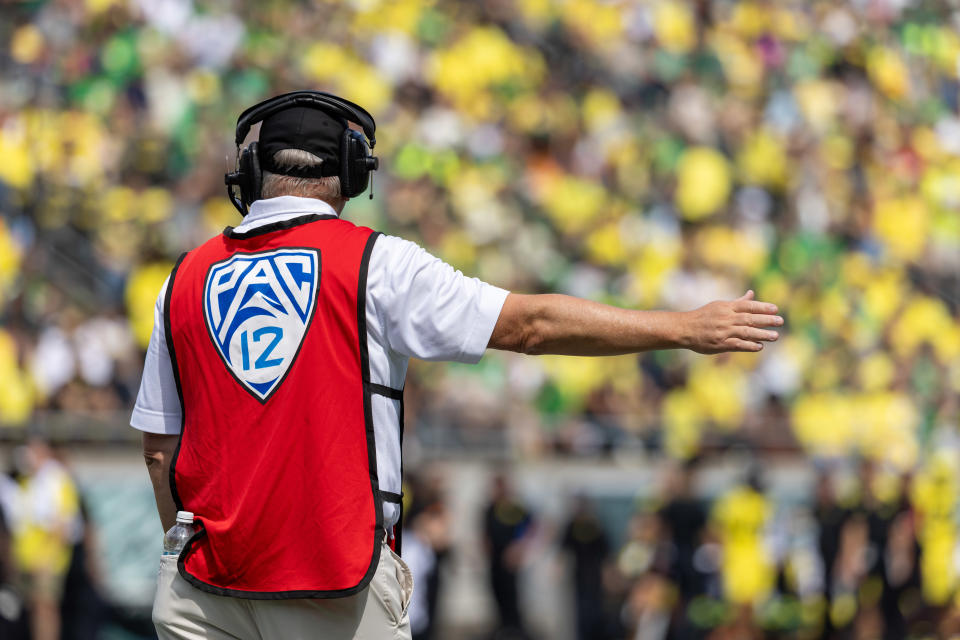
(564, 325)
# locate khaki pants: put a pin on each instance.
(183, 612)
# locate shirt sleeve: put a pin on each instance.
(157, 409)
(426, 308)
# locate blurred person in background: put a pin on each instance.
(642, 585)
(856, 559)
(585, 540)
(829, 516)
(83, 609)
(882, 499)
(426, 547)
(14, 618)
(685, 516)
(648, 546)
(933, 496)
(740, 518)
(45, 532)
(901, 576)
(508, 528)
(649, 609)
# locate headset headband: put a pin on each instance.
(316, 99)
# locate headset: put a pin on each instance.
(356, 162)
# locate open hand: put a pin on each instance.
(734, 325)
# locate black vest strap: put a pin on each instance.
(233, 234)
(381, 390)
(390, 496)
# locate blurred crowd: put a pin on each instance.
(868, 556)
(648, 154)
(864, 554)
(853, 551)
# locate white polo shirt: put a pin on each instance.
(417, 307)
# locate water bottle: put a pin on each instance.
(177, 536)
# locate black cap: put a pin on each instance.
(302, 128)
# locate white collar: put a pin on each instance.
(282, 208)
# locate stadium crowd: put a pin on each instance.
(648, 154)
(860, 553)
(863, 559)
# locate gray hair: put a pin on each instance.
(280, 185)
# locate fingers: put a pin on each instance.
(751, 306)
(736, 344)
(747, 296)
(757, 335)
(759, 320)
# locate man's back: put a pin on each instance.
(277, 458)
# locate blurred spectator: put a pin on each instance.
(426, 543)
(643, 584)
(83, 610)
(586, 541)
(45, 531)
(649, 546)
(650, 608)
(829, 516)
(508, 526)
(13, 609)
(855, 559)
(901, 575)
(740, 518)
(685, 516)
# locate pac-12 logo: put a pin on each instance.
(257, 307)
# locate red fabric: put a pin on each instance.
(282, 489)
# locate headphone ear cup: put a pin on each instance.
(256, 174)
(346, 165)
(243, 175)
(354, 174)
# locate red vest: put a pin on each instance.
(267, 336)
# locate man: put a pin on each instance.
(586, 541)
(508, 529)
(271, 400)
(686, 516)
(47, 524)
(426, 548)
